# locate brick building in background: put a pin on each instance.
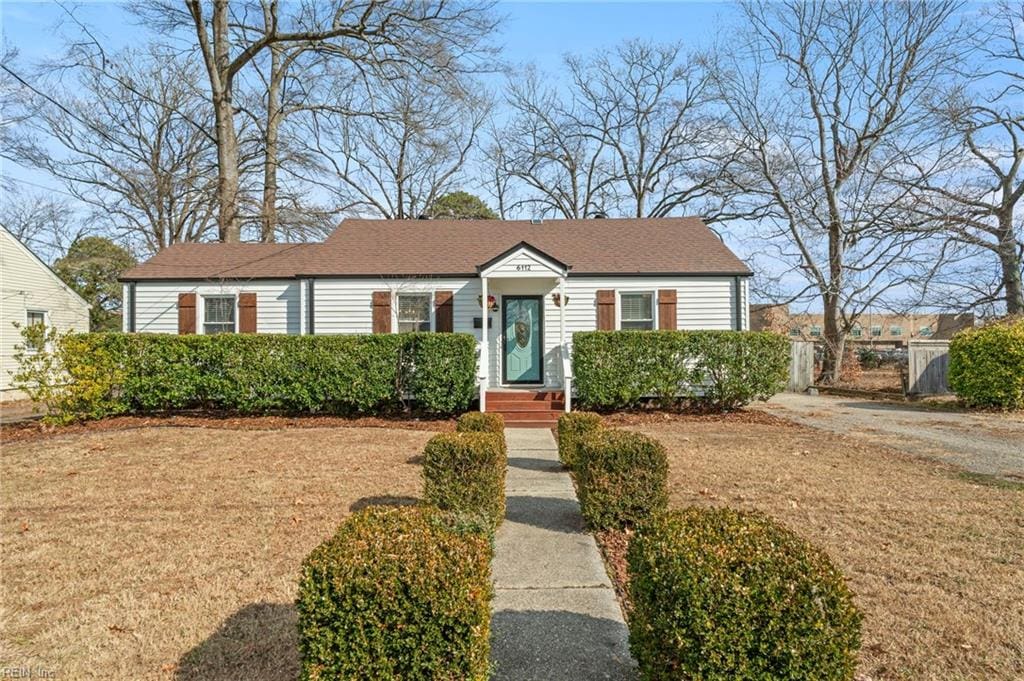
(873, 328)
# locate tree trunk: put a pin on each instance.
(1009, 260)
(227, 142)
(833, 334)
(268, 213)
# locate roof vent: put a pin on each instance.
(599, 215)
(423, 216)
(537, 221)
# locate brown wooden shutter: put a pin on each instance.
(247, 313)
(667, 309)
(444, 313)
(186, 313)
(606, 310)
(382, 311)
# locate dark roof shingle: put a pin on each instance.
(377, 248)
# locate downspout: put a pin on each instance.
(310, 307)
(738, 303)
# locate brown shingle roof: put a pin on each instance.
(456, 247)
(222, 261)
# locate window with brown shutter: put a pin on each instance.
(606, 310)
(667, 309)
(444, 311)
(186, 313)
(246, 313)
(382, 311)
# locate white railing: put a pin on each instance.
(567, 378)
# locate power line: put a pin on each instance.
(41, 186)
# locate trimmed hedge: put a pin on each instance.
(481, 422)
(465, 473)
(986, 366)
(115, 373)
(396, 593)
(720, 594)
(573, 427)
(621, 477)
(718, 370)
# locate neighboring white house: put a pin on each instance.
(540, 282)
(30, 293)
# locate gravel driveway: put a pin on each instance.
(991, 444)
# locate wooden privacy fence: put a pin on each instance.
(928, 367)
(801, 366)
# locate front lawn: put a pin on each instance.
(935, 558)
(174, 552)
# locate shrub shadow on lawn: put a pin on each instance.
(382, 500)
(260, 641)
(548, 513)
(558, 645)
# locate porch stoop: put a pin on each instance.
(527, 408)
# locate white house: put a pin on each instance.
(30, 293)
(523, 285)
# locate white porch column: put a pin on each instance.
(564, 351)
(485, 341)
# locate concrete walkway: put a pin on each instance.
(555, 612)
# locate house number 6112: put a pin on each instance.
(523, 268)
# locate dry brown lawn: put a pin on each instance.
(936, 559)
(174, 552)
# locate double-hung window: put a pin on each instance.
(895, 330)
(413, 312)
(637, 311)
(795, 331)
(815, 330)
(876, 331)
(856, 332)
(218, 314)
(925, 331)
(35, 318)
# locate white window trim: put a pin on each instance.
(46, 325)
(432, 295)
(654, 307)
(201, 309)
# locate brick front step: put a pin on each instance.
(525, 395)
(522, 405)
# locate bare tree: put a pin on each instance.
(563, 169)
(433, 36)
(407, 146)
(46, 224)
(126, 134)
(969, 185)
(848, 79)
(654, 111)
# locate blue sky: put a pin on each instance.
(533, 32)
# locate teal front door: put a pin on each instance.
(522, 320)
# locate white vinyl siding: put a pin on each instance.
(26, 283)
(345, 305)
(277, 303)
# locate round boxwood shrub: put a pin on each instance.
(480, 422)
(465, 473)
(724, 594)
(572, 427)
(986, 366)
(621, 478)
(397, 593)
